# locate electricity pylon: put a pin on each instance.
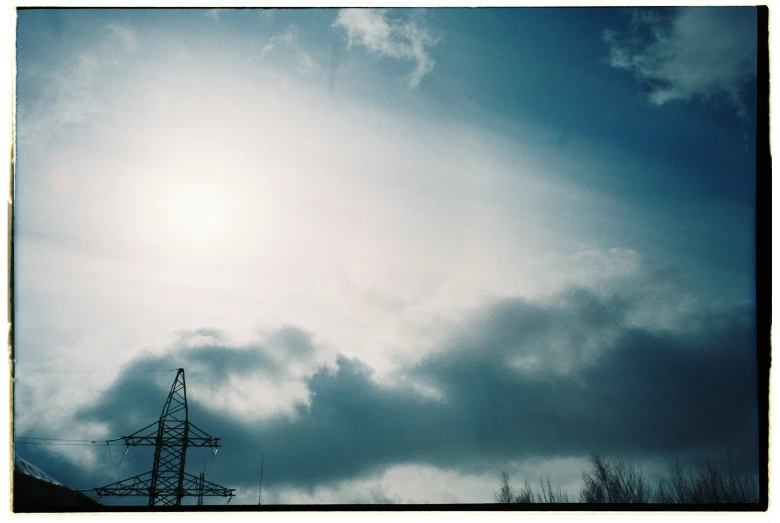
(168, 483)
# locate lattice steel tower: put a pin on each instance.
(168, 483)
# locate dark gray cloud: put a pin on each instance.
(520, 379)
(645, 392)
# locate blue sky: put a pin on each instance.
(358, 229)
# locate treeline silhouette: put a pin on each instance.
(620, 481)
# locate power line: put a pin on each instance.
(35, 440)
(55, 439)
(55, 444)
(117, 465)
(95, 371)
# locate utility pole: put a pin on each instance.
(260, 497)
(168, 483)
(201, 485)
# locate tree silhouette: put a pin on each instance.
(616, 482)
(703, 482)
(620, 481)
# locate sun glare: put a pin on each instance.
(196, 212)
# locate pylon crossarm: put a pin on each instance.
(203, 442)
(196, 438)
(151, 440)
(141, 484)
(136, 486)
(195, 486)
(136, 438)
(199, 438)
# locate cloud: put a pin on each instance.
(213, 13)
(74, 92)
(547, 379)
(127, 36)
(67, 100)
(693, 53)
(289, 41)
(397, 38)
(395, 485)
(289, 37)
(629, 390)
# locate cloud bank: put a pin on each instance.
(693, 53)
(404, 38)
(515, 380)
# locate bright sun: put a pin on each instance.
(196, 214)
(197, 211)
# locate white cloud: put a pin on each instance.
(663, 297)
(213, 13)
(126, 35)
(395, 38)
(306, 63)
(699, 52)
(76, 91)
(289, 37)
(398, 484)
(288, 42)
(67, 99)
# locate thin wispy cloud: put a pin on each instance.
(74, 91)
(67, 99)
(127, 36)
(403, 38)
(289, 37)
(288, 41)
(695, 53)
(213, 13)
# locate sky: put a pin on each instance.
(397, 252)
